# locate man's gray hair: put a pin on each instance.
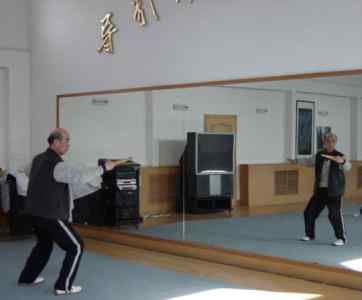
(55, 135)
(329, 135)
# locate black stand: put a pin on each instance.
(121, 190)
(194, 194)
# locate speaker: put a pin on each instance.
(122, 188)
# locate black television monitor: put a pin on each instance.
(214, 153)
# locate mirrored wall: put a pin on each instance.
(214, 162)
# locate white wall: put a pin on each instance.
(63, 36)
(15, 86)
(358, 136)
(354, 127)
(115, 130)
(336, 100)
(204, 41)
(254, 131)
(14, 18)
(4, 104)
(338, 118)
(359, 153)
(18, 145)
(145, 125)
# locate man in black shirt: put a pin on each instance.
(49, 204)
(329, 188)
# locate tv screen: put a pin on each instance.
(215, 153)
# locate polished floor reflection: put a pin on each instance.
(267, 233)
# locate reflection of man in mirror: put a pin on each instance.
(49, 204)
(329, 188)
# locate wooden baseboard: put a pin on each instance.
(297, 269)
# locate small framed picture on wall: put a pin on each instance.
(321, 132)
(305, 124)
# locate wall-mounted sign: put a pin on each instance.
(139, 15)
(107, 31)
(178, 1)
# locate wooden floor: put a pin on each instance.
(244, 279)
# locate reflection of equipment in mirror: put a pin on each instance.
(207, 168)
(121, 192)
